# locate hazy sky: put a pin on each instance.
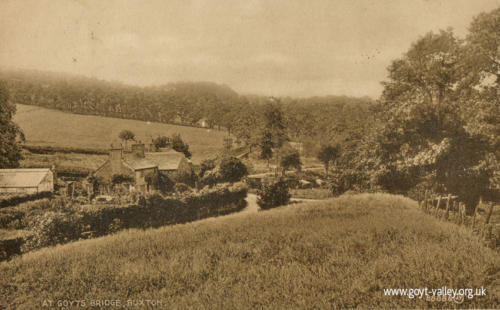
(287, 47)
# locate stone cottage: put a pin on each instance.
(141, 166)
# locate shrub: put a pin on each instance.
(181, 188)
(161, 141)
(206, 165)
(52, 228)
(210, 178)
(121, 178)
(273, 195)
(348, 179)
(186, 175)
(166, 184)
(12, 200)
(232, 169)
(19, 217)
(179, 145)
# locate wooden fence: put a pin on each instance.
(449, 208)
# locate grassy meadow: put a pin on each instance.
(47, 127)
(89, 161)
(335, 253)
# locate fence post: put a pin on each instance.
(461, 213)
(448, 203)
(456, 209)
(437, 207)
(475, 214)
(425, 200)
(488, 235)
(490, 211)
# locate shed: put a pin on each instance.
(27, 181)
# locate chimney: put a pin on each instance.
(115, 157)
(138, 149)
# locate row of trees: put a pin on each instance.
(195, 104)
(439, 117)
(174, 141)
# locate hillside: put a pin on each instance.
(339, 253)
(55, 128)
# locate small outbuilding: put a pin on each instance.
(28, 181)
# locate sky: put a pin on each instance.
(273, 47)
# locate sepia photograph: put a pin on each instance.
(249, 154)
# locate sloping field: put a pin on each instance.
(337, 253)
(55, 128)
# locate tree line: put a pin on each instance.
(438, 118)
(186, 103)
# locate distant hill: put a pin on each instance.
(177, 103)
(48, 127)
(315, 120)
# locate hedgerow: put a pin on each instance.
(86, 221)
(15, 199)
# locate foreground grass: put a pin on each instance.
(48, 127)
(336, 253)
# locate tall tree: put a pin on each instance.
(289, 158)
(179, 145)
(328, 154)
(10, 149)
(424, 137)
(247, 126)
(274, 133)
(266, 147)
(161, 141)
(480, 87)
(275, 123)
(126, 135)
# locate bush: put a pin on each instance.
(210, 178)
(12, 200)
(273, 195)
(206, 165)
(121, 178)
(348, 179)
(179, 145)
(52, 228)
(181, 188)
(19, 217)
(185, 175)
(232, 169)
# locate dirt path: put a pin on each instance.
(252, 207)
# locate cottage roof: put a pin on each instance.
(12, 178)
(139, 163)
(168, 160)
